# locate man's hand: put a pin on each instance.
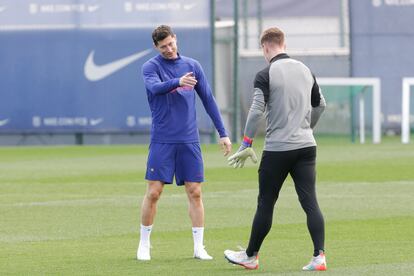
(188, 80)
(225, 144)
(237, 160)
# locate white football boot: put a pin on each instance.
(241, 258)
(317, 263)
(201, 253)
(143, 252)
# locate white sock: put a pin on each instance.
(198, 236)
(145, 235)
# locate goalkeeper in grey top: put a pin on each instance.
(287, 94)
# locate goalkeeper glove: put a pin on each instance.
(245, 151)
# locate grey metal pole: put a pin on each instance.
(259, 19)
(245, 25)
(342, 23)
(236, 108)
(213, 53)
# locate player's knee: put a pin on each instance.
(194, 194)
(266, 202)
(309, 205)
(153, 195)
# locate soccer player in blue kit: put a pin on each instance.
(172, 82)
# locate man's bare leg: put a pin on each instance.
(148, 211)
(196, 212)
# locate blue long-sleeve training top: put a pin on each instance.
(173, 107)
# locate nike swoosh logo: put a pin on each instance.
(95, 72)
(4, 122)
(95, 122)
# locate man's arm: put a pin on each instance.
(256, 112)
(318, 103)
(154, 84)
(257, 109)
(204, 92)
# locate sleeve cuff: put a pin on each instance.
(223, 134)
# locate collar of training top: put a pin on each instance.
(279, 56)
(170, 60)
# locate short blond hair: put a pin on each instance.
(273, 35)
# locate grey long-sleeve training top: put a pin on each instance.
(287, 93)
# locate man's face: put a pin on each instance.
(168, 47)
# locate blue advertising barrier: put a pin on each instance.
(75, 66)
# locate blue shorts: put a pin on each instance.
(182, 160)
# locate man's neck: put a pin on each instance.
(276, 52)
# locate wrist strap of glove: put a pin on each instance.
(247, 142)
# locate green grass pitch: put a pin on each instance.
(75, 211)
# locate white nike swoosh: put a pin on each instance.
(4, 122)
(95, 72)
(95, 122)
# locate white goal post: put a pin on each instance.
(405, 110)
(376, 102)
